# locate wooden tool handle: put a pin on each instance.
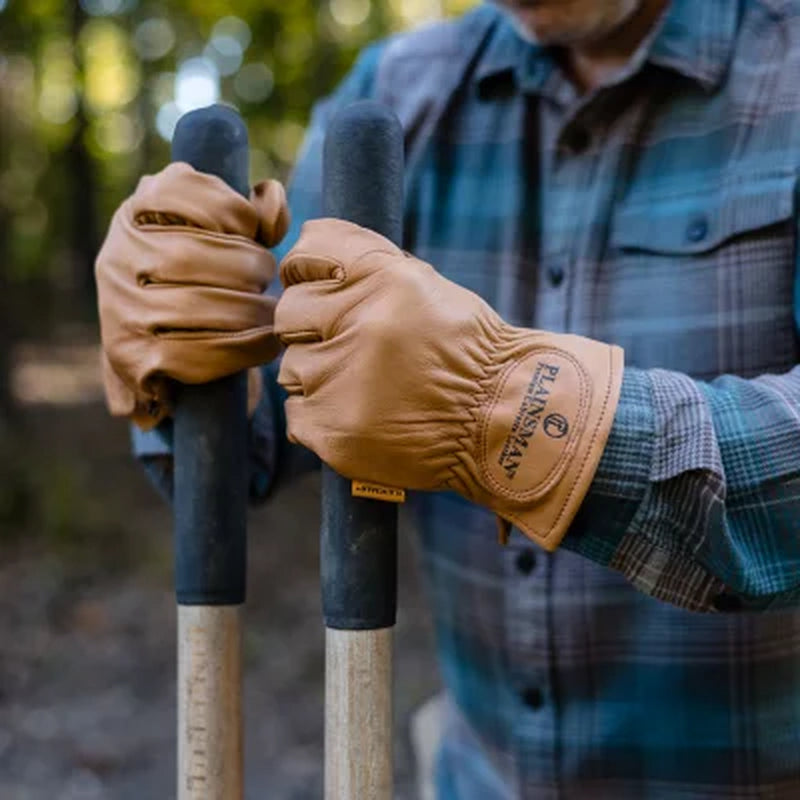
(358, 714)
(210, 507)
(362, 183)
(210, 742)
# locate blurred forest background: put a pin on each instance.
(90, 91)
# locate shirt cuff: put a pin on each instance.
(623, 474)
(633, 520)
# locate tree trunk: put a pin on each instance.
(82, 178)
(7, 327)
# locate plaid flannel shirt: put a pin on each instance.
(659, 213)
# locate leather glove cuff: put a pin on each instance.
(538, 428)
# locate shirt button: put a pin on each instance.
(726, 602)
(697, 230)
(555, 275)
(533, 697)
(526, 561)
(577, 139)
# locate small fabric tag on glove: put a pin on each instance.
(375, 491)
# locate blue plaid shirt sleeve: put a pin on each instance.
(697, 497)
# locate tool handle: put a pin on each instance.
(362, 183)
(210, 421)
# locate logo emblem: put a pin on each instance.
(556, 426)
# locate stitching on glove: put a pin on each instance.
(517, 520)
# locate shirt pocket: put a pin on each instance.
(703, 282)
(694, 223)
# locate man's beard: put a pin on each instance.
(519, 26)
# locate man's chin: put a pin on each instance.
(527, 22)
(536, 22)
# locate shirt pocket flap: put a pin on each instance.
(699, 222)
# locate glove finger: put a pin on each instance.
(180, 195)
(290, 374)
(180, 256)
(305, 368)
(329, 249)
(120, 398)
(122, 401)
(307, 426)
(308, 312)
(300, 428)
(269, 200)
(203, 359)
(148, 415)
(172, 311)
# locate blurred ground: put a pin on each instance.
(87, 616)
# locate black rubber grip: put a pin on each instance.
(210, 421)
(362, 183)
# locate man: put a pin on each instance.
(623, 170)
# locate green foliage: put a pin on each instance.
(80, 97)
(84, 103)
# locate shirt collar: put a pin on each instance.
(697, 39)
(508, 55)
(694, 38)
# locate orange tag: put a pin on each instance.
(374, 491)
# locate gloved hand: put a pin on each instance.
(180, 282)
(399, 376)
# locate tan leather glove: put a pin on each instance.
(399, 376)
(180, 282)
